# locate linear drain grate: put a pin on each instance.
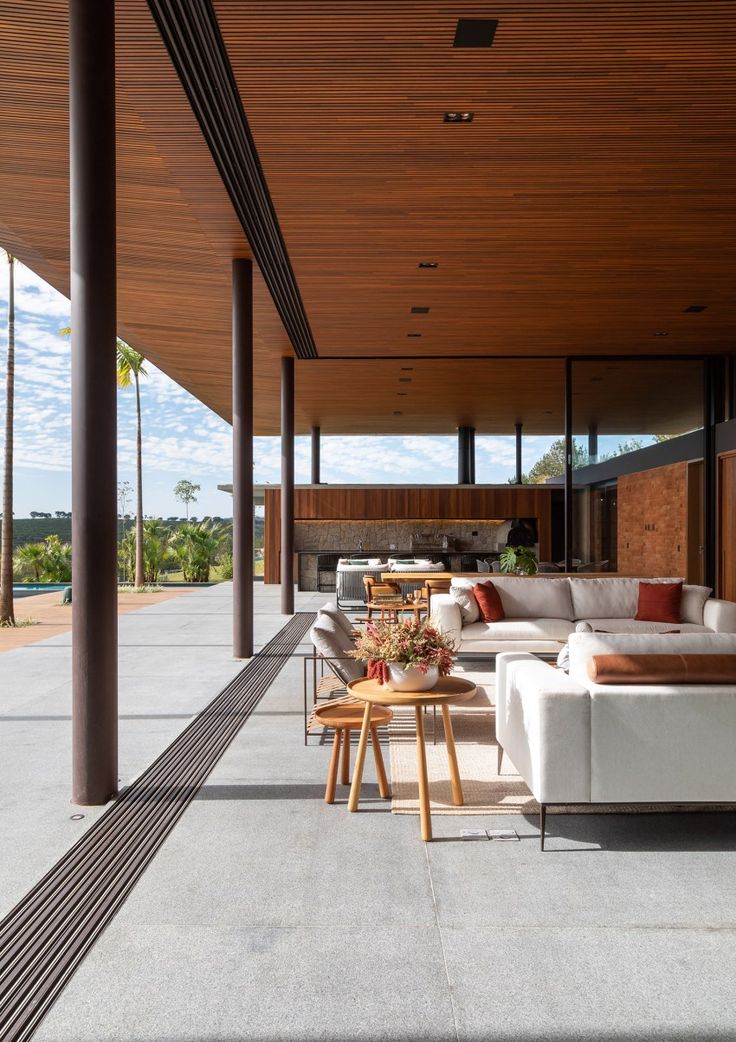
(48, 933)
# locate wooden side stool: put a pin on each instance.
(347, 717)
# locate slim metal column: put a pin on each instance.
(94, 400)
(471, 455)
(287, 486)
(519, 471)
(315, 455)
(568, 467)
(713, 413)
(464, 455)
(593, 443)
(242, 305)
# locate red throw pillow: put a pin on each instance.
(659, 602)
(489, 602)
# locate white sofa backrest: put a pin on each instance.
(584, 645)
(535, 598)
(618, 598)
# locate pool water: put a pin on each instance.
(30, 589)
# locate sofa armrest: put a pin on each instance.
(543, 723)
(446, 617)
(719, 616)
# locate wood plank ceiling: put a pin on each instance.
(588, 204)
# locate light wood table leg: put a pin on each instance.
(380, 769)
(360, 759)
(424, 815)
(345, 771)
(457, 789)
(332, 772)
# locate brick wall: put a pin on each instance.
(652, 521)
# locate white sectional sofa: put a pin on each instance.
(542, 612)
(575, 741)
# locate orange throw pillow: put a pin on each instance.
(659, 602)
(489, 602)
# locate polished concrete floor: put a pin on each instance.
(269, 915)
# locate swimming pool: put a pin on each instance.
(30, 589)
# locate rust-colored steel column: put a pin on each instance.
(287, 486)
(242, 292)
(94, 400)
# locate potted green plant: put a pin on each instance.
(407, 656)
(518, 560)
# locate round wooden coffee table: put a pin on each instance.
(447, 690)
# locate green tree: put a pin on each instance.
(130, 371)
(126, 556)
(197, 547)
(186, 492)
(7, 613)
(156, 548)
(552, 463)
(57, 560)
(29, 558)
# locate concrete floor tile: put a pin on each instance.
(582, 984)
(225, 984)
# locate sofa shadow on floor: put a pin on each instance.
(656, 831)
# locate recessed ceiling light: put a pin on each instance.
(458, 117)
(661, 332)
(475, 32)
(420, 311)
(695, 309)
(428, 264)
(413, 334)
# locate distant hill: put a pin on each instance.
(34, 529)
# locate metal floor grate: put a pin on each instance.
(48, 933)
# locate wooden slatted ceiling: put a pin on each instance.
(173, 257)
(591, 200)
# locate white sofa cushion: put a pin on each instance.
(619, 598)
(693, 603)
(417, 566)
(466, 602)
(519, 629)
(339, 617)
(604, 598)
(531, 598)
(584, 645)
(640, 626)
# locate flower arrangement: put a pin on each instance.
(411, 643)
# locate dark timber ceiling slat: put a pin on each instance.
(588, 204)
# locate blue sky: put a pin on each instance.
(181, 437)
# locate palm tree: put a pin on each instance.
(130, 370)
(197, 547)
(157, 549)
(30, 557)
(7, 614)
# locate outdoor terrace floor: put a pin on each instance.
(268, 915)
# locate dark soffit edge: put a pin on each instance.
(191, 34)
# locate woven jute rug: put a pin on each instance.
(475, 742)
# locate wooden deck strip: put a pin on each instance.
(53, 617)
